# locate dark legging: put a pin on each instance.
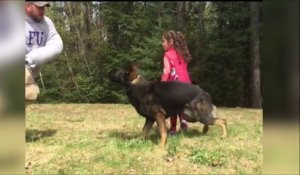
(173, 122)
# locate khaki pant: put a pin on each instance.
(31, 88)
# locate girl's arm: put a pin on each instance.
(166, 72)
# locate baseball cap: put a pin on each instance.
(40, 3)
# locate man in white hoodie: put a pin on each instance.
(43, 44)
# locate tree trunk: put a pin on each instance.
(180, 11)
(87, 16)
(69, 15)
(87, 21)
(255, 55)
(81, 44)
(201, 8)
(196, 47)
(160, 13)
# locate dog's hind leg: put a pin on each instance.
(148, 125)
(223, 124)
(215, 121)
(161, 123)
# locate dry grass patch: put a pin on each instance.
(106, 138)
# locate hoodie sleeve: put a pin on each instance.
(53, 47)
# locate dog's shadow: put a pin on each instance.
(124, 135)
(154, 135)
(192, 132)
(33, 135)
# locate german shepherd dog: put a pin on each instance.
(156, 101)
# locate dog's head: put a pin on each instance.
(124, 76)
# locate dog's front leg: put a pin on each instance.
(205, 129)
(148, 125)
(161, 123)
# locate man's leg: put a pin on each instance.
(31, 88)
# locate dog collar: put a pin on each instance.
(136, 80)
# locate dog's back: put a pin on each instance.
(173, 95)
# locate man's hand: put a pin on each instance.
(29, 63)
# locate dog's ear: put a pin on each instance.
(134, 65)
(133, 68)
(132, 71)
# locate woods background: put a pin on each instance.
(223, 38)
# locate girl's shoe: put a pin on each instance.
(172, 133)
(183, 126)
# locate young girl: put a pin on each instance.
(176, 59)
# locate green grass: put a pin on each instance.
(208, 157)
(106, 138)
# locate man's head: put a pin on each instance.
(36, 9)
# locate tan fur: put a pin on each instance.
(223, 124)
(136, 80)
(133, 73)
(31, 88)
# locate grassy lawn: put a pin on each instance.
(106, 139)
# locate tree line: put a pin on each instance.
(223, 38)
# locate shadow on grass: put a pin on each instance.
(154, 135)
(33, 135)
(124, 135)
(190, 133)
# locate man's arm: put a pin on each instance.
(50, 51)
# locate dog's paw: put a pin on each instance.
(223, 136)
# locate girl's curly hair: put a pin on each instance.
(179, 44)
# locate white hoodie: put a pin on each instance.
(43, 43)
